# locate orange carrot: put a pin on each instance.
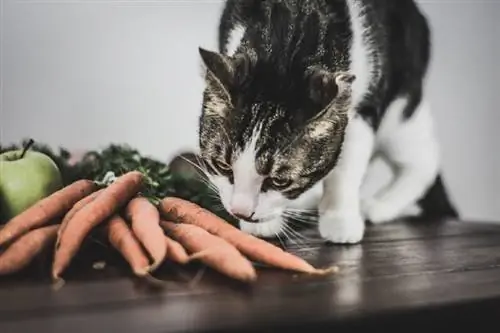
(24, 249)
(123, 240)
(46, 210)
(145, 220)
(69, 215)
(176, 252)
(255, 248)
(215, 252)
(77, 206)
(111, 199)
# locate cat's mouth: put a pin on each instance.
(248, 219)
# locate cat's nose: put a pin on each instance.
(242, 206)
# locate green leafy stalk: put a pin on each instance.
(115, 160)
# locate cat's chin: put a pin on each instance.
(268, 228)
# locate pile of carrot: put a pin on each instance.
(146, 235)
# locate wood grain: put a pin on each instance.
(413, 276)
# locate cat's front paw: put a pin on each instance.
(377, 212)
(341, 227)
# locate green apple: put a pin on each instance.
(26, 177)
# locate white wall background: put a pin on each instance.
(83, 74)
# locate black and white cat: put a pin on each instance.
(300, 97)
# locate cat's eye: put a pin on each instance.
(281, 183)
(222, 166)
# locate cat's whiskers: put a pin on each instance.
(287, 235)
(205, 180)
(297, 241)
(300, 244)
(196, 166)
(300, 214)
(302, 219)
(219, 207)
(285, 228)
(289, 229)
(203, 165)
(298, 222)
(299, 235)
(209, 184)
(212, 187)
(283, 244)
(217, 204)
(201, 161)
(214, 190)
(301, 210)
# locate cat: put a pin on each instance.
(299, 99)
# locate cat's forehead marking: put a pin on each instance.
(235, 38)
(246, 177)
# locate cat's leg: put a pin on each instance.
(340, 219)
(411, 148)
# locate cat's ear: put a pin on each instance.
(231, 72)
(324, 85)
(224, 76)
(217, 65)
(335, 93)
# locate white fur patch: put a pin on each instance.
(235, 38)
(321, 129)
(361, 65)
(412, 149)
(305, 203)
(244, 197)
(247, 181)
(263, 229)
(340, 215)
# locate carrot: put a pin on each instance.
(24, 249)
(46, 210)
(255, 248)
(69, 215)
(123, 240)
(145, 221)
(176, 252)
(77, 206)
(111, 199)
(215, 252)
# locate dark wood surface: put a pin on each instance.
(411, 276)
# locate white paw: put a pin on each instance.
(378, 212)
(263, 229)
(341, 227)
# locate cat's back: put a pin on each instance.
(300, 32)
(384, 43)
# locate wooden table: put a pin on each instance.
(417, 276)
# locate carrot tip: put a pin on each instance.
(154, 281)
(154, 266)
(326, 271)
(199, 255)
(141, 272)
(58, 283)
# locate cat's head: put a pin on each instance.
(268, 134)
